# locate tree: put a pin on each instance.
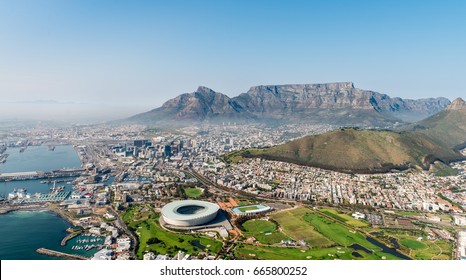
(153, 240)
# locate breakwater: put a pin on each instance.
(53, 253)
(8, 209)
(69, 237)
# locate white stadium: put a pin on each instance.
(187, 213)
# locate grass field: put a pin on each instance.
(153, 238)
(264, 231)
(136, 214)
(412, 244)
(271, 238)
(259, 226)
(438, 250)
(293, 224)
(338, 233)
(344, 217)
(247, 208)
(328, 239)
(423, 249)
(193, 192)
(244, 251)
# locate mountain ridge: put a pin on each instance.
(429, 144)
(339, 103)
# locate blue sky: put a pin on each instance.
(137, 54)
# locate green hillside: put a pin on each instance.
(371, 151)
(447, 127)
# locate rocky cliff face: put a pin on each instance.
(297, 98)
(337, 103)
(201, 104)
(457, 104)
(301, 98)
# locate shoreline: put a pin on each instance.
(37, 208)
(53, 208)
(59, 212)
(56, 212)
(29, 208)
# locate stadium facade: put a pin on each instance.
(188, 213)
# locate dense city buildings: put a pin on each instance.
(130, 173)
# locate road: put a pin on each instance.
(122, 226)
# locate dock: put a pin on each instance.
(53, 253)
(50, 175)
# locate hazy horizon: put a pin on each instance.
(104, 60)
(78, 112)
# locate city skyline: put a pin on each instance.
(110, 56)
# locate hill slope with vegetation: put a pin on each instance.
(431, 143)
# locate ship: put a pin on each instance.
(51, 148)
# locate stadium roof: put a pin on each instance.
(175, 210)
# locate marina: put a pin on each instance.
(27, 225)
(49, 230)
(32, 186)
(85, 244)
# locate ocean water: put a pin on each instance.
(23, 232)
(39, 158)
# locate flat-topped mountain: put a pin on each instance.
(428, 144)
(301, 98)
(335, 103)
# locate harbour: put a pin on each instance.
(29, 226)
(40, 158)
(33, 175)
(32, 186)
(39, 227)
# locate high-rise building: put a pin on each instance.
(168, 150)
(139, 143)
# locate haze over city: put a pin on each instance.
(196, 131)
(87, 60)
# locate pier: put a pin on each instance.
(40, 175)
(53, 253)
